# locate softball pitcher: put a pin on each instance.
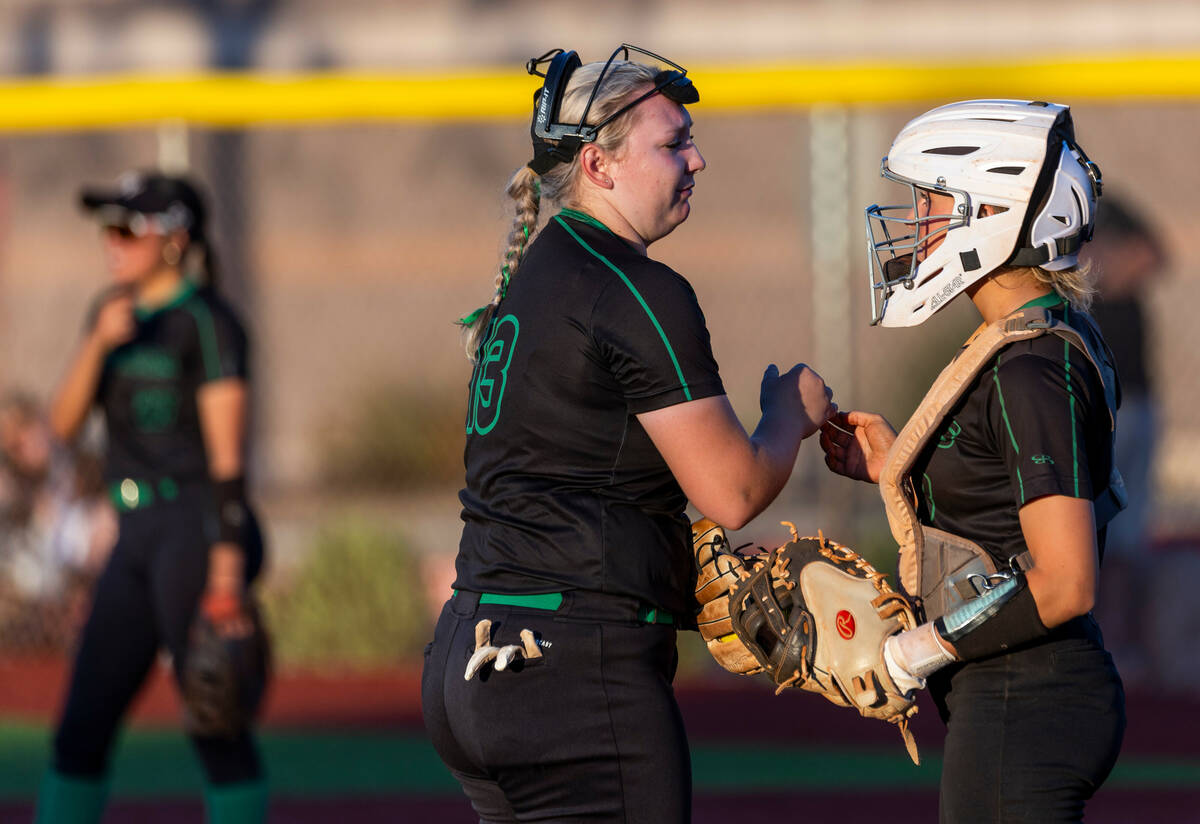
(596, 411)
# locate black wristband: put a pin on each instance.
(1016, 622)
(230, 498)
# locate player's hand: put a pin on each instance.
(856, 444)
(114, 323)
(224, 602)
(798, 393)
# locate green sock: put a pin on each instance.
(242, 803)
(67, 800)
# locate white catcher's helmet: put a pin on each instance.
(1017, 156)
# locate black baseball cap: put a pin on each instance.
(174, 202)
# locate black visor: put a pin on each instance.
(174, 201)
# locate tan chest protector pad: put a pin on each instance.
(935, 565)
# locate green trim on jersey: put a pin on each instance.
(1046, 301)
(929, 496)
(585, 218)
(1071, 406)
(1008, 424)
(207, 330)
(671, 352)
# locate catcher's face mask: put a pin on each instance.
(900, 237)
(555, 142)
(1023, 194)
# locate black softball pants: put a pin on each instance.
(588, 732)
(145, 599)
(1031, 734)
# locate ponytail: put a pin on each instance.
(558, 185)
(200, 261)
(1075, 285)
(525, 190)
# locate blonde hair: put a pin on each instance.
(560, 185)
(1076, 285)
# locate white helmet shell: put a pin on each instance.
(1016, 157)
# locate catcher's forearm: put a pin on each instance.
(1003, 618)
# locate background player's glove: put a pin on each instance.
(224, 676)
(811, 614)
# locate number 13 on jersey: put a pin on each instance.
(491, 376)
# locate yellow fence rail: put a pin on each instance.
(261, 99)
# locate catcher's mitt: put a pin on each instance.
(811, 614)
(224, 678)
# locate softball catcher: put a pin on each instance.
(998, 488)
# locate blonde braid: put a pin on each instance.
(558, 185)
(525, 191)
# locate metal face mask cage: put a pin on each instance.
(900, 268)
(673, 83)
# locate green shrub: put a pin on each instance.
(357, 600)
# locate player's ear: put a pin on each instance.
(594, 163)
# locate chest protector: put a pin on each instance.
(937, 569)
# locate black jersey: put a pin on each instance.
(565, 490)
(1034, 422)
(148, 387)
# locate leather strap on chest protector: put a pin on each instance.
(937, 568)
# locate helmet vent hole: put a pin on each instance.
(1063, 219)
(926, 278)
(1006, 170)
(989, 210)
(996, 119)
(957, 151)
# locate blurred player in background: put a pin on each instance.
(1009, 458)
(165, 360)
(1129, 257)
(596, 412)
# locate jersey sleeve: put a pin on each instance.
(1038, 412)
(222, 348)
(650, 332)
